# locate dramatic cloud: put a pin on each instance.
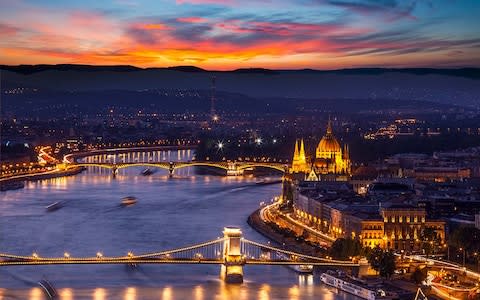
(227, 34)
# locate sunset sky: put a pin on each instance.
(230, 34)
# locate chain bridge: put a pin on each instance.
(232, 252)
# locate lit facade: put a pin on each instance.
(299, 162)
(329, 158)
(398, 228)
(404, 227)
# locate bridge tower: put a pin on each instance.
(233, 260)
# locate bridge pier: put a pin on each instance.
(233, 170)
(233, 260)
(171, 169)
(114, 172)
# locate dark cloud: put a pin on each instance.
(142, 36)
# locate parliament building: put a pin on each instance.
(329, 159)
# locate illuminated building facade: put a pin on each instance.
(404, 226)
(398, 227)
(299, 162)
(329, 158)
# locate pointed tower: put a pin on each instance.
(302, 152)
(302, 157)
(295, 159)
(299, 162)
(329, 126)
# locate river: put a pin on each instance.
(170, 213)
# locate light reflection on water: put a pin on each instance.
(170, 213)
(99, 294)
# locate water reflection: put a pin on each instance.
(99, 294)
(198, 292)
(228, 291)
(264, 292)
(305, 280)
(66, 294)
(167, 293)
(36, 294)
(131, 293)
(293, 293)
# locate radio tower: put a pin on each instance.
(213, 115)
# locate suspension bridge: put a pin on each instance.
(232, 252)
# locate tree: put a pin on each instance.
(375, 257)
(420, 274)
(345, 248)
(387, 264)
(382, 261)
(430, 239)
(466, 237)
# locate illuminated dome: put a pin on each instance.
(328, 144)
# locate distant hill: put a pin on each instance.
(448, 86)
(30, 69)
(473, 73)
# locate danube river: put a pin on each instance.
(170, 213)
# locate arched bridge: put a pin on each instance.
(231, 252)
(232, 168)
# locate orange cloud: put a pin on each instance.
(192, 20)
(153, 26)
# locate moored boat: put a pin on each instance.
(268, 181)
(54, 206)
(129, 200)
(147, 172)
(303, 269)
(348, 284)
(48, 289)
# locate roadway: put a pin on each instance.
(265, 214)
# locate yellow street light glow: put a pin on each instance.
(66, 255)
(34, 255)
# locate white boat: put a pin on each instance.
(54, 206)
(304, 269)
(129, 200)
(349, 285)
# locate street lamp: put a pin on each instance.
(463, 249)
(477, 258)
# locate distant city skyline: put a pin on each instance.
(231, 34)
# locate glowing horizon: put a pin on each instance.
(232, 34)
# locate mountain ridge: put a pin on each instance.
(467, 72)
